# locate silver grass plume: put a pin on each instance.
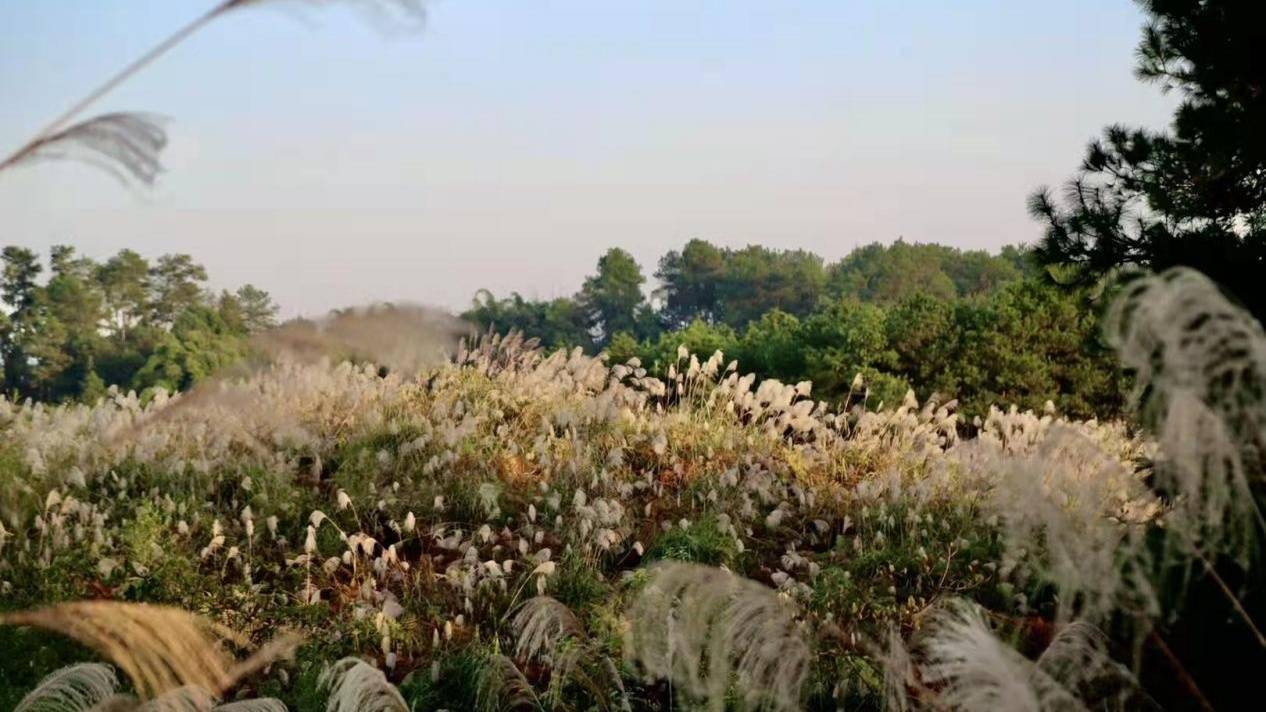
(547, 630)
(75, 688)
(1200, 367)
(540, 625)
(706, 629)
(503, 687)
(356, 686)
(386, 15)
(126, 145)
(963, 665)
(1075, 517)
(187, 699)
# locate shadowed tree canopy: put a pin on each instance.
(1194, 194)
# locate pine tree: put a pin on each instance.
(1195, 194)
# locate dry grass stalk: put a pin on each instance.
(160, 649)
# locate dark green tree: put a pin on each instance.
(1195, 194)
(175, 284)
(124, 281)
(689, 282)
(758, 279)
(773, 346)
(199, 344)
(842, 339)
(612, 298)
(249, 310)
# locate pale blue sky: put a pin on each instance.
(512, 142)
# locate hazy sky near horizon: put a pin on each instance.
(510, 143)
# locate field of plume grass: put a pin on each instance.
(505, 528)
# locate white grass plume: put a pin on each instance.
(503, 687)
(1067, 510)
(705, 629)
(1200, 367)
(75, 688)
(186, 699)
(354, 685)
(395, 16)
(540, 625)
(966, 666)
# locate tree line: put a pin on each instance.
(986, 329)
(126, 321)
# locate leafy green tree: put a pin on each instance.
(923, 335)
(689, 282)
(622, 347)
(612, 297)
(20, 289)
(699, 337)
(890, 273)
(1027, 344)
(758, 279)
(92, 324)
(249, 310)
(840, 340)
(1195, 194)
(199, 344)
(124, 280)
(773, 346)
(557, 323)
(175, 284)
(21, 271)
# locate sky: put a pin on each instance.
(334, 162)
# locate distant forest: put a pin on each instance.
(125, 322)
(983, 328)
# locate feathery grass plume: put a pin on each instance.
(502, 687)
(547, 630)
(540, 625)
(127, 144)
(899, 672)
(186, 699)
(396, 15)
(354, 685)
(74, 688)
(1073, 516)
(124, 144)
(1200, 367)
(967, 667)
(706, 629)
(159, 648)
